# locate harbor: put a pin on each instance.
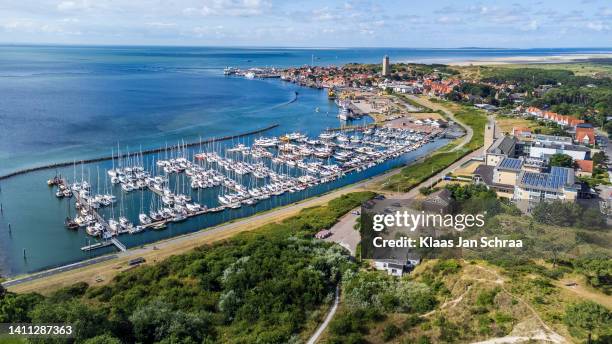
(199, 105)
(170, 184)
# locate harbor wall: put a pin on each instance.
(149, 151)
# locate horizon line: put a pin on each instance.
(43, 44)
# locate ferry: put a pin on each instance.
(230, 71)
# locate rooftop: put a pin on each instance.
(585, 165)
(557, 178)
(510, 164)
(552, 138)
(503, 145)
(555, 145)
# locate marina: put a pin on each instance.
(239, 176)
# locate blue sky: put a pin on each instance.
(383, 23)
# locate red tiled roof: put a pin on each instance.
(581, 133)
(585, 165)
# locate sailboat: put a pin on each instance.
(144, 218)
(70, 223)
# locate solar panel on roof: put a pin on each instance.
(557, 178)
(511, 163)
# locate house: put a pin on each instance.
(605, 200)
(438, 202)
(521, 132)
(503, 147)
(397, 267)
(517, 97)
(585, 134)
(563, 120)
(584, 168)
(532, 188)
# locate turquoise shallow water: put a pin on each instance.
(72, 103)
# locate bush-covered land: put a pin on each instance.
(265, 286)
(490, 293)
(586, 97)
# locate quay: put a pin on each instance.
(352, 128)
(96, 245)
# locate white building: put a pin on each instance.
(545, 150)
(385, 66)
(396, 267)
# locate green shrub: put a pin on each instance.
(486, 298)
(390, 331)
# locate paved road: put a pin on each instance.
(315, 336)
(344, 234)
(57, 270)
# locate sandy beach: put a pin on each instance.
(572, 58)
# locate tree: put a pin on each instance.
(600, 159)
(590, 317)
(156, 321)
(2, 290)
(592, 218)
(557, 213)
(103, 339)
(87, 321)
(562, 160)
(16, 307)
(608, 127)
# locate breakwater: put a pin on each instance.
(149, 151)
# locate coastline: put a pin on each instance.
(101, 270)
(569, 58)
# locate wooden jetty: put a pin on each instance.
(83, 202)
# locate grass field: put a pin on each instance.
(586, 69)
(506, 123)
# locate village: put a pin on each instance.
(519, 162)
(530, 155)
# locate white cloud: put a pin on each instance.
(206, 31)
(597, 26)
(448, 20)
(235, 8)
(74, 5)
(31, 26)
(531, 26)
(161, 25)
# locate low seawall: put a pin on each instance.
(149, 151)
